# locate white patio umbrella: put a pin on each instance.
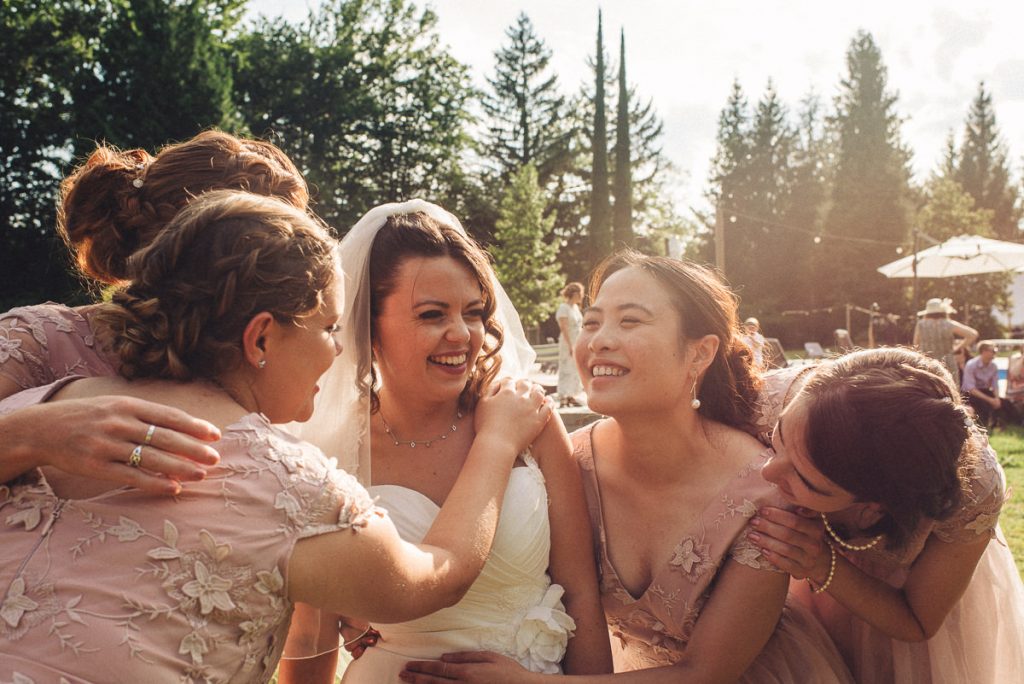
(961, 255)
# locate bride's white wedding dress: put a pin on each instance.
(512, 608)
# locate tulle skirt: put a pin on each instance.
(980, 642)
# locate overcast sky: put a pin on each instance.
(685, 54)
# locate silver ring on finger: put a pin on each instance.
(149, 435)
(135, 460)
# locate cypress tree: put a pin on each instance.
(623, 217)
(600, 205)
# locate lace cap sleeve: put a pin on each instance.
(779, 387)
(982, 502)
(345, 505)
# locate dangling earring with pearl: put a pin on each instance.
(695, 402)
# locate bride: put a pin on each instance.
(427, 327)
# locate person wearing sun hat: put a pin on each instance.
(940, 337)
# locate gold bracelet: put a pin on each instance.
(831, 571)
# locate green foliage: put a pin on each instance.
(870, 210)
(599, 227)
(948, 211)
(1009, 446)
(983, 170)
(363, 96)
(622, 218)
(525, 113)
(526, 264)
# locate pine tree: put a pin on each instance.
(983, 170)
(870, 208)
(623, 216)
(727, 181)
(525, 114)
(524, 259)
(600, 205)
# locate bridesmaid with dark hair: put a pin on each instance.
(898, 534)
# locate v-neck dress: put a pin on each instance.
(653, 629)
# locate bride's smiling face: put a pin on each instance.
(430, 329)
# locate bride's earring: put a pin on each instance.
(695, 402)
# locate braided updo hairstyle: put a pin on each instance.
(706, 306)
(888, 425)
(118, 201)
(223, 259)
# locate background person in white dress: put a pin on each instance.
(570, 320)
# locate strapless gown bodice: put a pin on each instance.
(512, 608)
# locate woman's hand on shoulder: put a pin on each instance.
(793, 542)
(516, 409)
(94, 438)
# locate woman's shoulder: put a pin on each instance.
(984, 494)
(316, 494)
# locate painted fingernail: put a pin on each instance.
(754, 537)
(755, 521)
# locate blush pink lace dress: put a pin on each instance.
(652, 630)
(46, 342)
(982, 638)
(127, 587)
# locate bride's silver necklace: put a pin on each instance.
(425, 442)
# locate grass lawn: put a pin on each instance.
(1009, 444)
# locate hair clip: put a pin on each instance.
(138, 182)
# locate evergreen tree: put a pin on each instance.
(623, 189)
(805, 207)
(728, 178)
(983, 170)
(524, 260)
(947, 168)
(870, 208)
(600, 204)
(525, 114)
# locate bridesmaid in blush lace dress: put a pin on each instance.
(232, 315)
(899, 537)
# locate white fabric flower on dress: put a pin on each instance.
(10, 349)
(692, 558)
(544, 633)
(210, 589)
(16, 604)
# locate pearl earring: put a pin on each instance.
(695, 402)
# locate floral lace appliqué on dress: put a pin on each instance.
(128, 587)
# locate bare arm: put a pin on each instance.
(733, 628)
(104, 430)
(572, 558)
(966, 333)
(436, 573)
(938, 577)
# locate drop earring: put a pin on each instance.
(695, 402)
